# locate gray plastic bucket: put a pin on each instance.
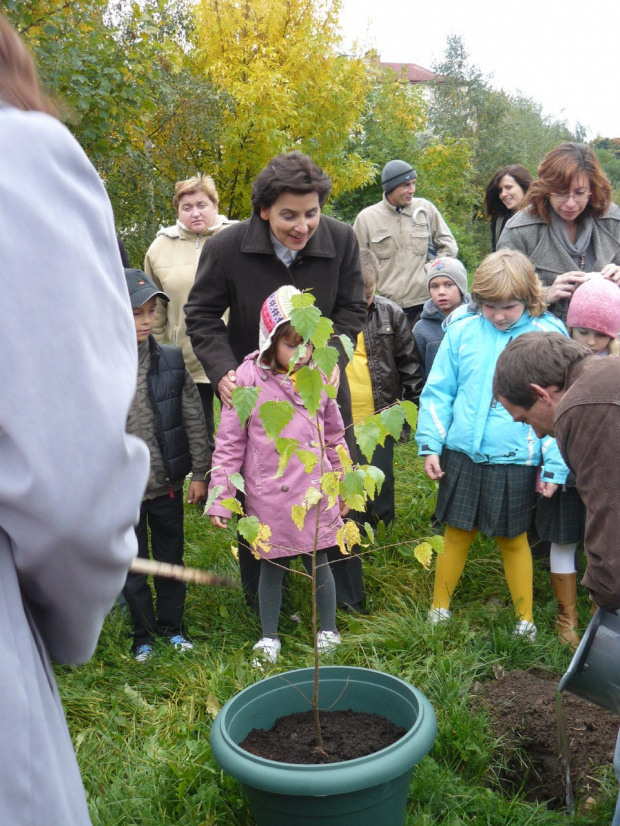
(594, 672)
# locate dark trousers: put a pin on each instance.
(382, 507)
(206, 397)
(163, 516)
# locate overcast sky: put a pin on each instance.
(564, 54)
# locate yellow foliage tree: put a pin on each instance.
(291, 89)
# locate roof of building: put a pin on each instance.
(414, 73)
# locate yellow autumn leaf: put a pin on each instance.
(424, 554)
(347, 536)
(330, 485)
(298, 515)
(345, 459)
(235, 551)
(312, 497)
(262, 543)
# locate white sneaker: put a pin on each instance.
(327, 641)
(180, 643)
(267, 650)
(525, 629)
(437, 615)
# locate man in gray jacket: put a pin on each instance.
(406, 234)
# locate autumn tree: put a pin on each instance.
(277, 60)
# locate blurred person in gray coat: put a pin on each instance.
(71, 480)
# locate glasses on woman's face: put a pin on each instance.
(578, 195)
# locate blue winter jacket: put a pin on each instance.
(457, 407)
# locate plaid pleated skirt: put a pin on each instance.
(562, 518)
(496, 499)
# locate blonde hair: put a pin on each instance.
(612, 347)
(508, 275)
(199, 183)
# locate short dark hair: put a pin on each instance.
(289, 172)
(544, 359)
(494, 206)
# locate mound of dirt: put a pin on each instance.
(522, 711)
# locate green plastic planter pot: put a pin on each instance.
(367, 791)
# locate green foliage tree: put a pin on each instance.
(289, 87)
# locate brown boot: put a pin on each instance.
(566, 622)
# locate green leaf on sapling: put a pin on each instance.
(373, 480)
(352, 490)
(323, 332)
(309, 387)
(236, 479)
(369, 531)
(312, 497)
(347, 345)
(305, 320)
(392, 419)
(213, 494)
(411, 413)
(244, 401)
(330, 391)
(232, 505)
(326, 358)
(275, 416)
(248, 528)
(369, 433)
(436, 543)
(308, 459)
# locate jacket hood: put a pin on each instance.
(179, 230)
(433, 313)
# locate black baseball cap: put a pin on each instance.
(141, 288)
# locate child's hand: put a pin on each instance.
(432, 468)
(334, 379)
(547, 489)
(219, 521)
(344, 508)
(196, 492)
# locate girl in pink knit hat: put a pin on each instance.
(594, 315)
(270, 493)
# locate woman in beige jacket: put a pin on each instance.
(171, 262)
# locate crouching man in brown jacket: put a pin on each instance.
(559, 388)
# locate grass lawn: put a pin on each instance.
(141, 731)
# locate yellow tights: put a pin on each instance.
(517, 567)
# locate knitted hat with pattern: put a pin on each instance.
(448, 268)
(275, 312)
(596, 305)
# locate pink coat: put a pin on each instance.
(246, 450)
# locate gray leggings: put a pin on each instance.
(270, 591)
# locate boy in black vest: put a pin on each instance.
(167, 414)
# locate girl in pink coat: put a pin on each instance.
(269, 497)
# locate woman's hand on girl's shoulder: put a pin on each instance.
(432, 467)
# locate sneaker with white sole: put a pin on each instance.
(438, 615)
(267, 650)
(180, 643)
(143, 653)
(526, 629)
(327, 641)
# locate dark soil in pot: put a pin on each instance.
(521, 708)
(346, 736)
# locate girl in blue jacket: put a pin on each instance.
(485, 462)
